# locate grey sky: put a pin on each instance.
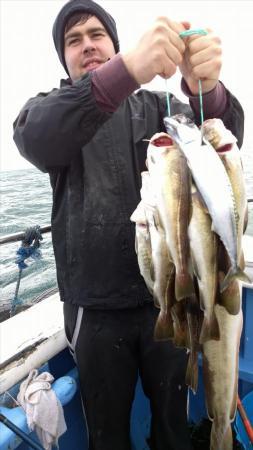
(29, 63)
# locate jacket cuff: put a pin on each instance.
(112, 83)
(214, 101)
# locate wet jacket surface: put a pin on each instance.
(94, 160)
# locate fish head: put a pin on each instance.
(215, 132)
(182, 129)
(159, 146)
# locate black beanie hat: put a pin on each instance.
(85, 6)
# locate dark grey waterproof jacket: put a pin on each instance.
(94, 160)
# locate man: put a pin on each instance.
(89, 136)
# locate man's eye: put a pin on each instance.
(73, 41)
(96, 35)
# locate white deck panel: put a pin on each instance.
(30, 339)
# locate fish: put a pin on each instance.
(143, 245)
(225, 144)
(213, 183)
(220, 374)
(204, 254)
(162, 266)
(187, 319)
(170, 182)
(194, 320)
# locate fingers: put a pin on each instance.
(202, 60)
(205, 54)
(161, 50)
(166, 37)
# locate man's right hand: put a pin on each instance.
(158, 52)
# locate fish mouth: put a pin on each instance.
(162, 140)
(224, 148)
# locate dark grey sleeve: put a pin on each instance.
(52, 128)
(233, 117)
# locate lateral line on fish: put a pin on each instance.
(179, 221)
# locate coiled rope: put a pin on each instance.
(29, 249)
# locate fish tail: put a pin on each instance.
(191, 377)
(231, 275)
(210, 329)
(221, 441)
(164, 329)
(184, 286)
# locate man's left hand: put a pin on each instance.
(202, 60)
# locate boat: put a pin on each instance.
(35, 338)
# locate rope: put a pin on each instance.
(188, 33)
(29, 248)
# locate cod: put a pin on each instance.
(171, 183)
(224, 142)
(153, 258)
(220, 371)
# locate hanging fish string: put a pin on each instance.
(183, 34)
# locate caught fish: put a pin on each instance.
(214, 185)
(225, 144)
(204, 252)
(170, 181)
(162, 266)
(143, 245)
(220, 371)
(187, 319)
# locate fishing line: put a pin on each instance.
(183, 34)
(167, 98)
(188, 33)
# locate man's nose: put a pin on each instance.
(88, 45)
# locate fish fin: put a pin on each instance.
(184, 286)
(150, 288)
(246, 219)
(164, 327)
(136, 245)
(156, 301)
(201, 300)
(242, 261)
(191, 377)
(222, 440)
(180, 332)
(231, 275)
(209, 331)
(156, 222)
(180, 338)
(152, 271)
(195, 267)
(201, 203)
(230, 298)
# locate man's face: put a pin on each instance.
(87, 46)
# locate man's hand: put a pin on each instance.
(159, 51)
(202, 60)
